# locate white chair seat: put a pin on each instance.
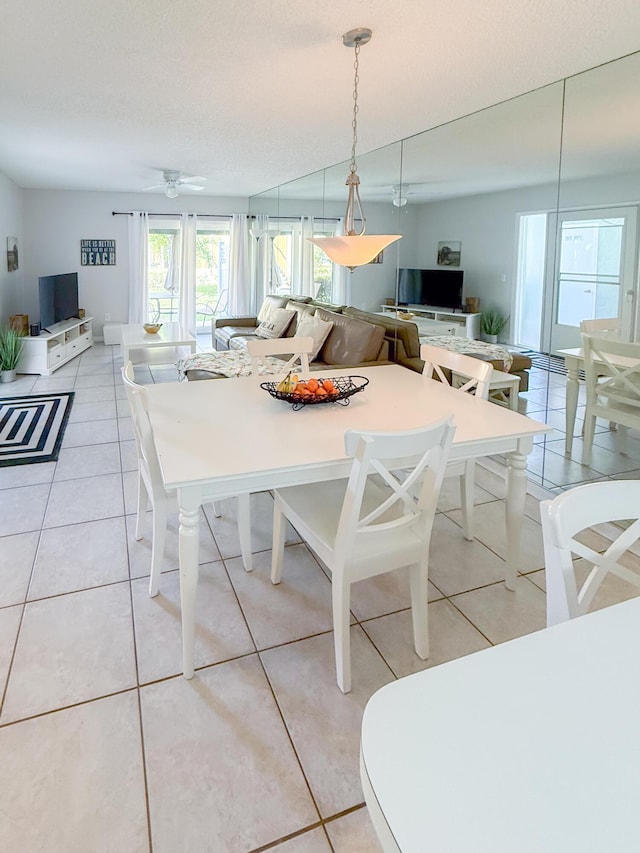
(318, 507)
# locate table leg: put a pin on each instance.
(189, 541)
(514, 510)
(513, 395)
(572, 404)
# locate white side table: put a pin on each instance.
(170, 335)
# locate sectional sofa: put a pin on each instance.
(357, 338)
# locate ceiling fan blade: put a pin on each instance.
(156, 187)
(190, 186)
(192, 178)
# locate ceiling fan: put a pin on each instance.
(173, 180)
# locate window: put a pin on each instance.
(212, 272)
(299, 267)
(163, 267)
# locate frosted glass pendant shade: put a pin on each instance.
(356, 250)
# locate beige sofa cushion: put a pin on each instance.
(302, 309)
(270, 304)
(275, 324)
(350, 341)
(316, 328)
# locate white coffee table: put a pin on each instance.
(170, 335)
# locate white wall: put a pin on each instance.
(487, 227)
(11, 225)
(56, 221)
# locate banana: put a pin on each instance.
(285, 385)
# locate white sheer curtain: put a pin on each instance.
(261, 256)
(187, 305)
(303, 279)
(241, 292)
(138, 266)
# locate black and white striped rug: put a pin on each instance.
(32, 427)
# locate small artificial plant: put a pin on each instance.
(11, 344)
(493, 321)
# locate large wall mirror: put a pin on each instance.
(539, 195)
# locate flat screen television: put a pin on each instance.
(437, 288)
(58, 298)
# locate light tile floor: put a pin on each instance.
(616, 453)
(104, 746)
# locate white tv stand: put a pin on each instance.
(50, 350)
(440, 321)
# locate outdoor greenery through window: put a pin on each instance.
(212, 273)
(163, 248)
(287, 273)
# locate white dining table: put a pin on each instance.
(531, 746)
(226, 437)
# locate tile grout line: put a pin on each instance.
(26, 594)
(268, 681)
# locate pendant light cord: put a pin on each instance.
(354, 122)
(353, 181)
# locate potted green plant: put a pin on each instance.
(11, 344)
(492, 323)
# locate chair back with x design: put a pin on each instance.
(612, 373)
(297, 348)
(445, 364)
(563, 519)
(410, 468)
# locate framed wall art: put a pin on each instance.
(449, 253)
(98, 253)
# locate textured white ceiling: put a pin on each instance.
(252, 93)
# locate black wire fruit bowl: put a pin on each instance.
(344, 387)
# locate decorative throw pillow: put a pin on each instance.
(313, 327)
(276, 323)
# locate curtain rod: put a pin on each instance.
(224, 215)
(176, 215)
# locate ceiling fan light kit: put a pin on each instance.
(354, 249)
(400, 196)
(173, 181)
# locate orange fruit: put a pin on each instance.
(328, 386)
(313, 385)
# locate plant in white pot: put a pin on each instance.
(11, 344)
(492, 323)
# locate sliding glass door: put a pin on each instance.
(595, 272)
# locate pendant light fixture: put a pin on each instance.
(355, 248)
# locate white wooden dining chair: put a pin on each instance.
(151, 488)
(612, 380)
(372, 523)
(477, 375)
(607, 326)
(298, 348)
(563, 518)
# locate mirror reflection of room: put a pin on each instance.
(536, 199)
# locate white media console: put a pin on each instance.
(50, 350)
(440, 321)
